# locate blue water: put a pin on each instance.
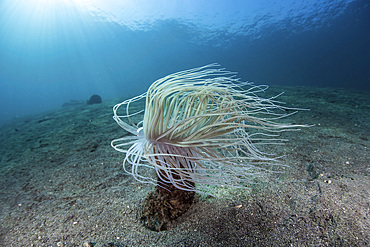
(53, 51)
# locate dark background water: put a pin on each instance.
(55, 51)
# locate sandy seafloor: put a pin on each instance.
(61, 183)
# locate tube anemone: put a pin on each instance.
(200, 127)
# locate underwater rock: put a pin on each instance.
(95, 99)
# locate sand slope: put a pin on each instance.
(61, 184)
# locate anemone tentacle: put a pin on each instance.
(201, 126)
